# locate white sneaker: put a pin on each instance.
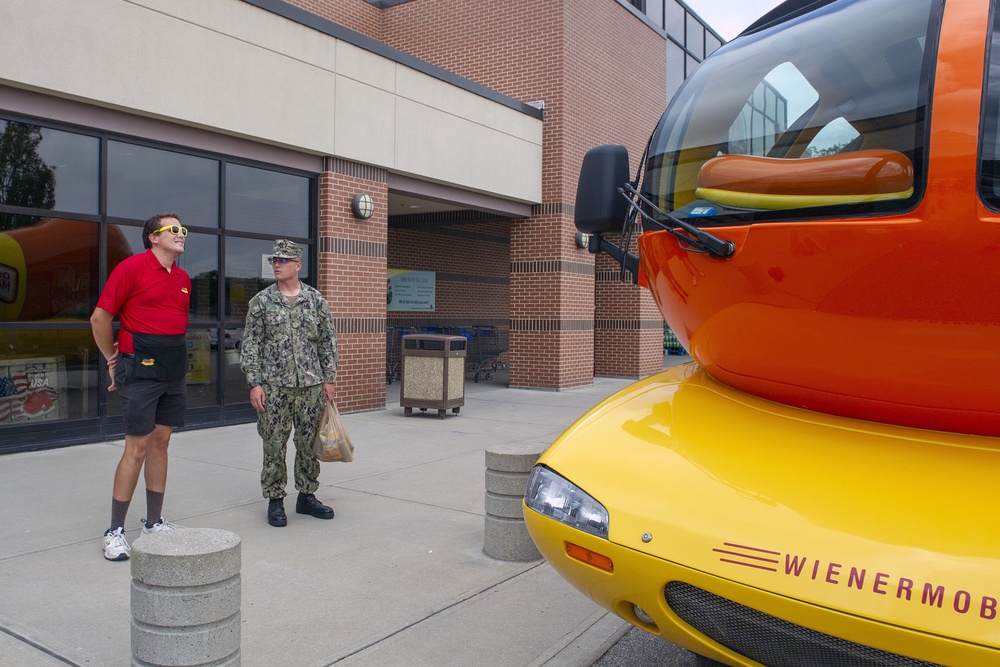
(158, 527)
(115, 545)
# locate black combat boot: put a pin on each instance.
(307, 504)
(276, 512)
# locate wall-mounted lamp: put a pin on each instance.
(362, 206)
(582, 240)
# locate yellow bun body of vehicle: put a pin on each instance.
(733, 523)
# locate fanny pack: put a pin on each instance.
(162, 358)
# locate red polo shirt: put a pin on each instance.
(147, 298)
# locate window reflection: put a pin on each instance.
(989, 180)
(51, 268)
(654, 10)
(236, 389)
(673, 20)
(143, 180)
(201, 261)
(695, 41)
(35, 186)
(779, 103)
(48, 270)
(266, 202)
(49, 169)
(202, 382)
(675, 68)
(248, 272)
(75, 159)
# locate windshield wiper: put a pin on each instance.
(691, 238)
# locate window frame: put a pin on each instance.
(226, 409)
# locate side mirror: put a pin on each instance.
(600, 208)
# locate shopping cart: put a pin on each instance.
(394, 351)
(671, 344)
(486, 349)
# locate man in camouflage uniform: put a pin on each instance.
(289, 355)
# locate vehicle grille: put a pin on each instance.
(769, 640)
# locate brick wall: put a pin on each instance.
(601, 73)
(352, 273)
(357, 15)
(471, 263)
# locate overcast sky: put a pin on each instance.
(730, 17)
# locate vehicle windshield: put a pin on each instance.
(821, 115)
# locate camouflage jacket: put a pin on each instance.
(289, 345)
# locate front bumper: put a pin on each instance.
(733, 623)
(752, 514)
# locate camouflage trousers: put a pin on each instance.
(285, 408)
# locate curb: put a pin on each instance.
(586, 643)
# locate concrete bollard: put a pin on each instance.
(186, 598)
(506, 535)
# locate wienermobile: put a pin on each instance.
(817, 216)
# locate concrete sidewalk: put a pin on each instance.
(397, 578)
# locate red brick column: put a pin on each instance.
(628, 327)
(352, 277)
(551, 303)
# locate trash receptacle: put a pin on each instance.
(433, 373)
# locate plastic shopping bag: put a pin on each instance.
(332, 442)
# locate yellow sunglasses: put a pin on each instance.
(173, 229)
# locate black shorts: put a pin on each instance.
(146, 403)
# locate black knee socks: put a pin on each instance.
(154, 505)
(119, 508)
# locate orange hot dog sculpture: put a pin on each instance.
(749, 181)
(49, 270)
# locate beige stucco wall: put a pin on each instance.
(229, 67)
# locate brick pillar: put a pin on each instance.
(352, 277)
(551, 302)
(628, 326)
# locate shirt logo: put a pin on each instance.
(184, 289)
(148, 362)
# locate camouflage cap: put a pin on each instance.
(287, 249)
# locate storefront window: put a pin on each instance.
(47, 375)
(144, 181)
(201, 261)
(48, 270)
(248, 272)
(123, 242)
(202, 377)
(52, 376)
(55, 170)
(236, 389)
(266, 202)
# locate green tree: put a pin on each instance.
(819, 152)
(25, 179)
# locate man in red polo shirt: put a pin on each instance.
(151, 297)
